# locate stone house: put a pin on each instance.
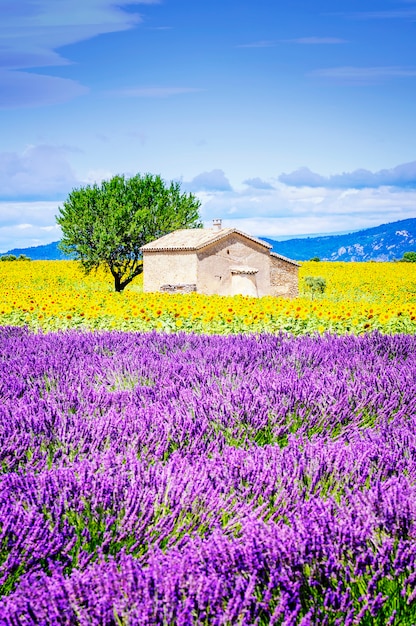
(223, 261)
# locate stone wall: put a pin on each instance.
(217, 259)
(178, 288)
(284, 278)
(173, 267)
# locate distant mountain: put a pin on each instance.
(48, 252)
(382, 243)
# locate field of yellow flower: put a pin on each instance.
(359, 297)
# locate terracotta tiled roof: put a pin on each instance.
(195, 239)
(284, 258)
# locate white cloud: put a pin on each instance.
(403, 175)
(258, 183)
(282, 210)
(32, 32)
(26, 224)
(39, 214)
(24, 90)
(294, 211)
(29, 237)
(97, 176)
(39, 171)
(214, 180)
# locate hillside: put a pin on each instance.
(381, 243)
(48, 252)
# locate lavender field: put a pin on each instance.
(152, 479)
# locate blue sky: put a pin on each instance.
(284, 118)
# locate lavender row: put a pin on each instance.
(72, 396)
(152, 479)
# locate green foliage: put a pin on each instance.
(13, 257)
(315, 284)
(108, 224)
(315, 258)
(409, 257)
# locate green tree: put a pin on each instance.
(315, 284)
(108, 224)
(409, 257)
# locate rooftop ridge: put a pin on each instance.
(284, 258)
(197, 238)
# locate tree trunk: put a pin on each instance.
(117, 283)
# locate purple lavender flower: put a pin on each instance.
(181, 479)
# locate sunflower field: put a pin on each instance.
(190, 460)
(359, 297)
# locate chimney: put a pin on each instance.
(216, 224)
